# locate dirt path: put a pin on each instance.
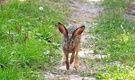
(131, 11)
(82, 12)
(85, 12)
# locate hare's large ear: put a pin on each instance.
(62, 29)
(78, 31)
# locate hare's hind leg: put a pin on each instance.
(76, 64)
(63, 61)
(72, 58)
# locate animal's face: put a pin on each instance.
(70, 40)
(68, 43)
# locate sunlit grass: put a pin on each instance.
(116, 37)
(27, 38)
(116, 72)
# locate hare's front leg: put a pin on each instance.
(67, 62)
(76, 64)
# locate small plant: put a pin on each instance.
(85, 73)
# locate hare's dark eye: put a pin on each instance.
(72, 41)
(65, 41)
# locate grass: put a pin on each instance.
(27, 39)
(116, 37)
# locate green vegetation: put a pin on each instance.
(116, 37)
(27, 38)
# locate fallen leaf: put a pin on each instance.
(75, 21)
(126, 8)
(134, 19)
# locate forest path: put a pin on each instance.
(82, 12)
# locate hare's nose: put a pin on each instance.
(68, 47)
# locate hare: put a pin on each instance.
(71, 44)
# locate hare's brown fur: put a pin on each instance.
(71, 44)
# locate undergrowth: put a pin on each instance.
(116, 38)
(27, 38)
